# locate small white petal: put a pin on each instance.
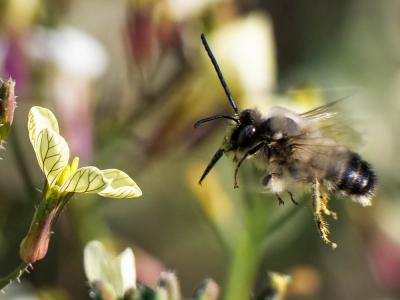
(118, 272)
(95, 261)
(128, 269)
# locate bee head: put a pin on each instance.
(245, 133)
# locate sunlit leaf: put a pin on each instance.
(85, 180)
(120, 185)
(52, 153)
(40, 118)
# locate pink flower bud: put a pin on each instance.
(7, 106)
(141, 34)
(34, 246)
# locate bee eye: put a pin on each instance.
(246, 136)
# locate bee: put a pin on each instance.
(294, 150)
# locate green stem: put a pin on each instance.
(14, 275)
(243, 268)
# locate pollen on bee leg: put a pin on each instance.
(324, 231)
(318, 207)
(324, 206)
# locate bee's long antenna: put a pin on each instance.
(211, 164)
(219, 73)
(212, 118)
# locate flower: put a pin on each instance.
(113, 277)
(276, 287)
(107, 273)
(209, 290)
(63, 180)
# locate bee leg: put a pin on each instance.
(291, 198)
(251, 151)
(317, 206)
(324, 206)
(279, 198)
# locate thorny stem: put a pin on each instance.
(43, 212)
(14, 275)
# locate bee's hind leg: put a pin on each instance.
(319, 207)
(324, 206)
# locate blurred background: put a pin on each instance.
(128, 79)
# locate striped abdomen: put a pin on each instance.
(356, 179)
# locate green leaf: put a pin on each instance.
(52, 153)
(120, 185)
(85, 180)
(40, 118)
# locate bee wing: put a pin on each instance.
(332, 125)
(314, 147)
(322, 112)
(315, 153)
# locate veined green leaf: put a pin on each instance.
(40, 118)
(85, 180)
(120, 185)
(52, 153)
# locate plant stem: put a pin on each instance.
(14, 275)
(243, 268)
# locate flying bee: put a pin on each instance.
(295, 149)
